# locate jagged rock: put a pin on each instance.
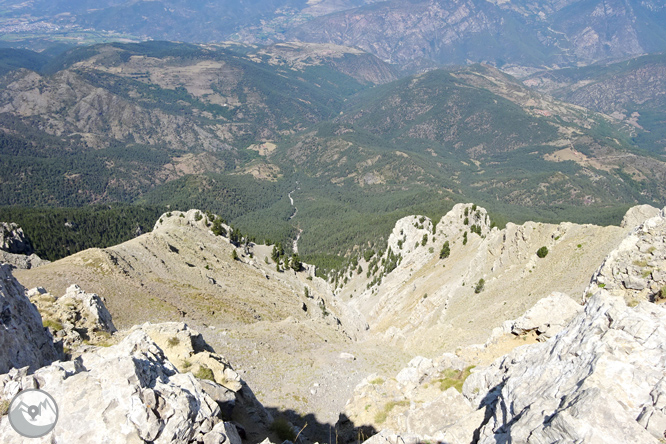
(224, 432)
(224, 397)
(594, 382)
(23, 339)
(129, 392)
(548, 316)
(12, 239)
(187, 350)
(75, 317)
(637, 215)
(22, 261)
(415, 371)
(634, 270)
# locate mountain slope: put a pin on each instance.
(633, 91)
(522, 33)
(110, 122)
(471, 132)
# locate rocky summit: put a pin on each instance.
(422, 335)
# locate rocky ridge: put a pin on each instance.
(636, 270)
(130, 391)
(389, 301)
(427, 303)
(598, 378)
(24, 341)
(263, 318)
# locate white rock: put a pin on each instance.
(23, 339)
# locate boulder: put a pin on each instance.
(188, 351)
(13, 240)
(548, 316)
(601, 380)
(24, 342)
(76, 317)
(637, 215)
(126, 393)
(22, 261)
(634, 270)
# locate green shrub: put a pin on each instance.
(173, 341)
(479, 286)
(234, 255)
(381, 415)
(4, 407)
(454, 378)
(53, 325)
(542, 252)
(445, 251)
(205, 373)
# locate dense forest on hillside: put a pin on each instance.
(58, 232)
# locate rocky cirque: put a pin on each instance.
(559, 372)
(596, 377)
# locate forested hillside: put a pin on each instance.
(317, 143)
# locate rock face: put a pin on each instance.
(637, 215)
(186, 350)
(12, 239)
(22, 261)
(129, 392)
(636, 270)
(75, 317)
(23, 339)
(428, 301)
(15, 249)
(547, 318)
(601, 380)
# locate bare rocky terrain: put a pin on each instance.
(302, 353)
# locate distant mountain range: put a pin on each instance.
(242, 130)
(518, 35)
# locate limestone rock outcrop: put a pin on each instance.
(76, 317)
(13, 240)
(23, 339)
(129, 392)
(546, 318)
(21, 260)
(636, 269)
(188, 352)
(464, 271)
(637, 215)
(599, 381)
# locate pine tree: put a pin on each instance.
(445, 251)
